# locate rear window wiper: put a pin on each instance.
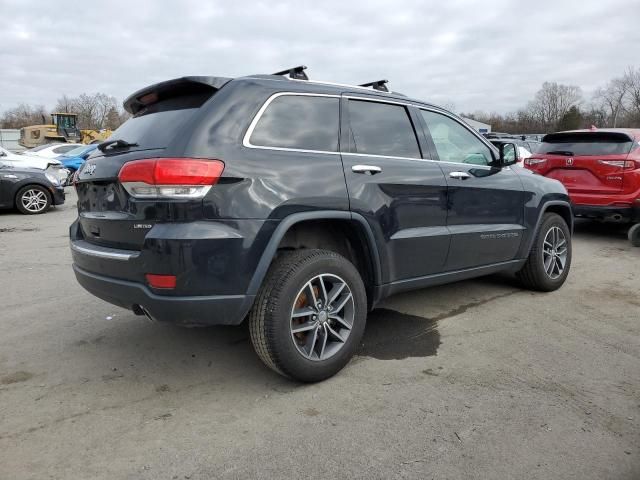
(553, 152)
(113, 144)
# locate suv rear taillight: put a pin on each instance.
(531, 161)
(626, 164)
(170, 177)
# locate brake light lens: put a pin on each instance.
(161, 281)
(531, 161)
(170, 177)
(626, 164)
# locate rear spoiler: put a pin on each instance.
(172, 88)
(588, 136)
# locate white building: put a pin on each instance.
(478, 126)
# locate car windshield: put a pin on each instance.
(76, 151)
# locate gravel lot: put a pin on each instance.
(471, 380)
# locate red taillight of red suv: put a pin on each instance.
(170, 177)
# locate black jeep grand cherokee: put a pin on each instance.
(301, 205)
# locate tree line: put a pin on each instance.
(554, 107)
(564, 107)
(95, 111)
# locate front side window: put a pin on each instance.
(301, 122)
(454, 143)
(381, 129)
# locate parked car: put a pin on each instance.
(51, 150)
(73, 159)
(601, 170)
(300, 205)
(30, 190)
(54, 166)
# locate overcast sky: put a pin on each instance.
(491, 57)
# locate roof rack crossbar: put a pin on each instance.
(296, 73)
(377, 85)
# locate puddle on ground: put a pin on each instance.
(391, 335)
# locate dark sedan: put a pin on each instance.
(30, 190)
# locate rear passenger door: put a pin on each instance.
(401, 195)
(485, 203)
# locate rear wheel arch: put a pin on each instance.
(343, 232)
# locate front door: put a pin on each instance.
(401, 195)
(485, 203)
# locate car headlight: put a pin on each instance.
(53, 179)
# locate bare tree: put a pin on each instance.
(24, 115)
(93, 110)
(552, 102)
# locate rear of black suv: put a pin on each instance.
(299, 205)
(150, 235)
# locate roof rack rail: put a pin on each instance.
(377, 85)
(297, 73)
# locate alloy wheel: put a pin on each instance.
(322, 317)
(34, 200)
(554, 252)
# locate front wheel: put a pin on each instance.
(549, 261)
(33, 199)
(310, 314)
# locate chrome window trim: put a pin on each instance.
(246, 142)
(247, 136)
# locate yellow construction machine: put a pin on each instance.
(63, 129)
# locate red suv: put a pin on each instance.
(601, 170)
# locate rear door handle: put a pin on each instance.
(459, 175)
(366, 169)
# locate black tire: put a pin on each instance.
(270, 320)
(533, 274)
(29, 191)
(634, 235)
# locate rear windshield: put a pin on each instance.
(586, 144)
(157, 125)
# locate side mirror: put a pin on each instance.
(508, 154)
(3, 154)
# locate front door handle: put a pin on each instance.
(366, 169)
(459, 175)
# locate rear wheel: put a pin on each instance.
(549, 261)
(309, 315)
(33, 199)
(634, 235)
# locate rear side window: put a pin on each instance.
(381, 129)
(157, 125)
(579, 144)
(300, 122)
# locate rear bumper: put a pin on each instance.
(186, 311)
(620, 214)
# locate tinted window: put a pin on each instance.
(600, 143)
(455, 143)
(381, 129)
(299, 121)
(158, 124)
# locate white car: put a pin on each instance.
(51, 150)
(32, 161)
